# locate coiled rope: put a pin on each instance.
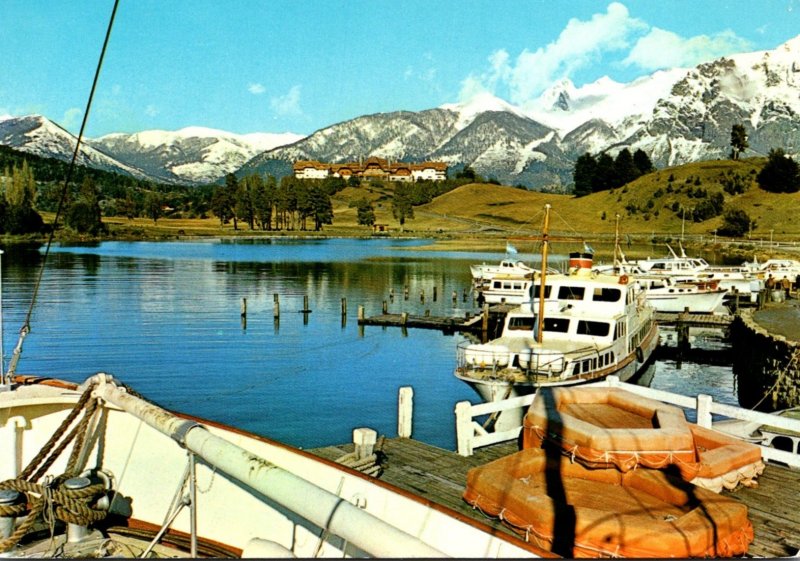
(69, 505)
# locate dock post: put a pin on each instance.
(434, 293)
(385, 308)
(422, 296)
(305, 309)
(405, 411)
(391, 294)
(485, 323)
(244, 307)
(360, 313)
(405, 292)
(403, 319)
(364, 440)
(704, 410)
(344, 307)
(464, 428)
(276, 306)
(455, 298)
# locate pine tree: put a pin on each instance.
(738, 141)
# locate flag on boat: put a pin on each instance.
(510, 248)
(587, 248)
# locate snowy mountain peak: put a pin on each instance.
(480, 103)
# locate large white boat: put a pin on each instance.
(579, 326)
(483, 274)
(96, 471)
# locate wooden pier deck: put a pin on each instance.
(439, 475)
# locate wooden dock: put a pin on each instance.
(448, 324)
(439, 476)
(694, 320)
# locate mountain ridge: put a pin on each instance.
(675, 115)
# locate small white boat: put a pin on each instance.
(578, 327)
(666, 294)
(506, 290)
(507, 268)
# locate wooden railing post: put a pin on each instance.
(464, 431)
(704, 410)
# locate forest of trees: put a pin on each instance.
(601, 173)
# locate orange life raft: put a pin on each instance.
(604, 427)
(575, 511)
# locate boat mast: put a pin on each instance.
(617, 267)
(540, 322)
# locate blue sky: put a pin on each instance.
(291, 66)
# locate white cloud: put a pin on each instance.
(580, 44)
(288, 104)
(256, 89)
(665, 49)
(72, 118)
(607, 39)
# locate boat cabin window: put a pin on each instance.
(606, 294)
(556, 325)
(535, 291)
(571, 293)
(594, 328)
(521, 323)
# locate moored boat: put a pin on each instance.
(95, 470)
(579, 326)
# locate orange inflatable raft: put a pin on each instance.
(604, 427)
(575, 511)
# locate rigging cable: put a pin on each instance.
(26, 327)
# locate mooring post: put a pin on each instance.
(391, 294)
(405, 292)
(276, 306)
(305, 309)
(455, 297)
(244, 307)
(385, 307)
(361, 313)
(364, 440)
(485, 321)
(405, 411)
(344, 306)
(464, 429)
(422, 296)
(434, 293)
(403, 319)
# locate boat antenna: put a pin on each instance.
(26, 327)
(545, 244)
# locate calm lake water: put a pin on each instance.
(164, 317)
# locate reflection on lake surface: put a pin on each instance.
(165, 318)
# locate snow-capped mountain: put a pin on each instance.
(40, 136)
(189, 155)
(675, 116)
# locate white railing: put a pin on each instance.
(471, 435)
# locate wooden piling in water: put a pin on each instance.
(305, 309)
(360, 313)
(434, 293)
(344, 306)
(385, 307)
(276, 306)
(244, 307)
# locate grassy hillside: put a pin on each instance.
(487, 214)
(653, 205)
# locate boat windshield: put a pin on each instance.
(521, 323)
